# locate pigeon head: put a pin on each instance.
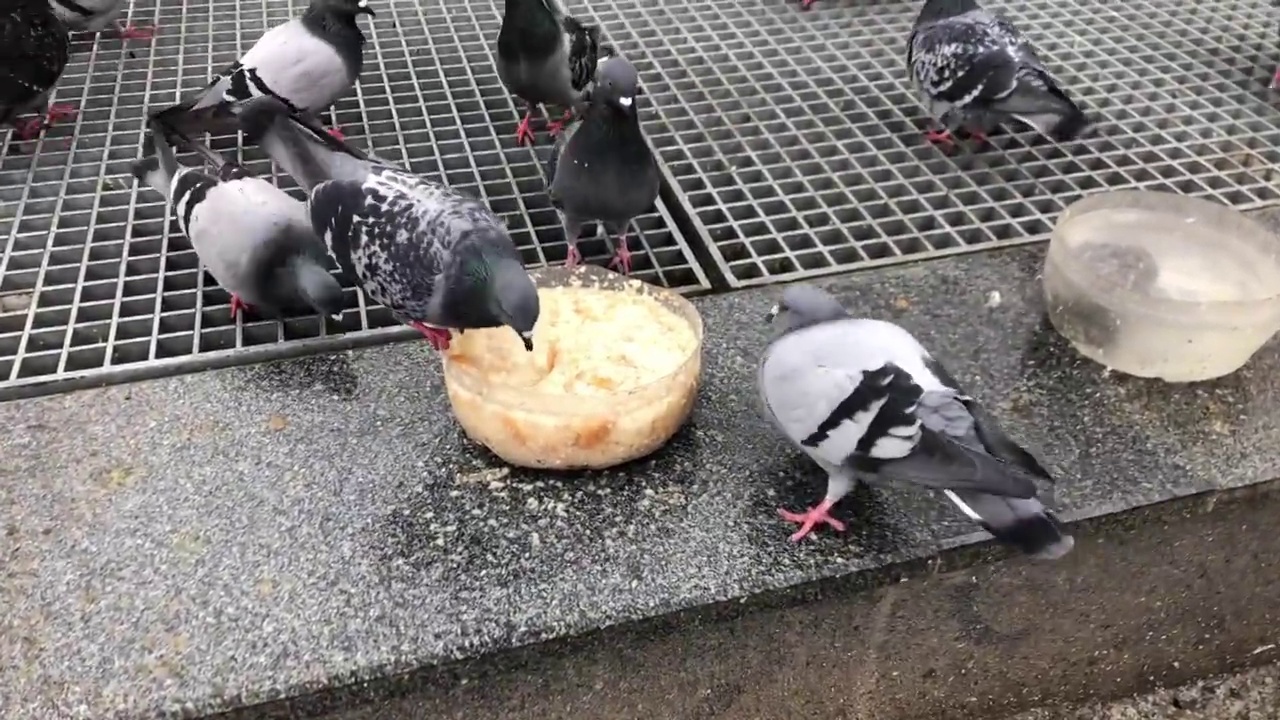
(344, 7)
(803, 305)
(513, 299)
(617, 83)
(941, 9)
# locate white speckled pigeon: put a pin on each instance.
(602, 167)
(254, 239)
(95, 15)
(865, 400)
(545, 56)
(434, 257)
(975, 70)
(34, 49)
(307, 63)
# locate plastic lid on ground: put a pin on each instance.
(1161, 285)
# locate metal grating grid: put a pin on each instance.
(96, 285)
(794, 138)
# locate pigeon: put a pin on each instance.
(976, 70)
(437, 259)
(34, 48)
(602, 168)
(545, 56)
(865, 400)
(254, 239)
(307, 63)
(95, 15)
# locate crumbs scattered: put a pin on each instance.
(487, 476)
(902, 303)
(277, 422)
(118, 479)
(993, 299)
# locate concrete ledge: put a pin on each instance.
(1156, 596)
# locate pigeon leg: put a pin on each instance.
(557, 127)
(238, 306)
(573, 257)
(336, 132)
(523, 131)
(806, 4)
(979, 138)
(438, 337)
(130, 31)
(940, 137)
(621, 255)
(30, 129)
(837, 487)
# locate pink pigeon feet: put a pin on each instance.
(238, 306)
(31, 129)
(814, 516)
(806, 4)
(573, 257)
(557, 127)
(621, 257)
(438, 337)
(336, 133)
(524, 134)
(941, 138)
(133, 32)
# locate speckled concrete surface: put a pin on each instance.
(240, 535)
(1251, 695)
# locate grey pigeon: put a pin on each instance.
(434, 257)
(545, 56)
(602, 167)
(864, 400)
(254, 239)
(34, 49)
(976, 70)
(307, 63)
(96, 15)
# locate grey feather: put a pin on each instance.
(252, 237)
(865, 400)
(545, 56)
(976, 70)
(307, 63)
(88, 15)
(431, 255)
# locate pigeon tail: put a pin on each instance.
(1022, 523)
(316, 285)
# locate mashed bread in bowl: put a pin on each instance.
(613, 373)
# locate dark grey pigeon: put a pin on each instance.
(97, 15)
(254, 239)
(545, 56)
(602, 168)
(308, 64)
(865, 400)
(975, 70)
(34, 49)
(434, 257)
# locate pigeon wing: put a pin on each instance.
(584, 50)
(965, 58)
(34, 49)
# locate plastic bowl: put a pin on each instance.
(538, 428)
(1163, 286)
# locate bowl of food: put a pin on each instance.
(612, 375)
(1163, 286)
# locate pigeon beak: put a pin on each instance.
(773, 313)
(527, 338)
(625, 101)
(363, 6)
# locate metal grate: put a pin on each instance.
(794, 138)
(97, 286)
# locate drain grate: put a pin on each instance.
(794, 139)
(97, 286)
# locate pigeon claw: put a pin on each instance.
(438, 337)
(556, 127)
(806, 4)
(979, 138)
(621, 257)
(28, 129)
(524, 133)
(808, 520)
(940, 137)
(573, 257)
(238, 306)
(336, 133)
(133, 32)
